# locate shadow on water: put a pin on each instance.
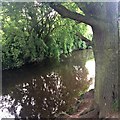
(42, 91)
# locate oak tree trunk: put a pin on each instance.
(103, 18)
(106, 58)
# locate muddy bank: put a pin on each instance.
(85, 107)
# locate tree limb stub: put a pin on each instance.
(65, 13)
(88, 42)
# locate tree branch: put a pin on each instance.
(88, 42)
(65, 13)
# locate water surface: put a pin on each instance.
(43, 90)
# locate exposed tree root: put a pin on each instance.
(85, 107)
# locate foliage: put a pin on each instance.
(34, 31)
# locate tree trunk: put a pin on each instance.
(103, 18)
(106, 58)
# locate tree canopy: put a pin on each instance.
(34, 31)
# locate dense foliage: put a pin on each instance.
(34, 31)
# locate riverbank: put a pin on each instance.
(85, 107)
(48, 60)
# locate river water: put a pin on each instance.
(43, 90)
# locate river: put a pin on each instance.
(42, 90)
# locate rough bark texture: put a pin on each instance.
(106, 57)
(119, 55)
(103, 19)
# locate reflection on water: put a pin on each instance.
(42, 91)
(90, 65)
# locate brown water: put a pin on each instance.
(43, 90)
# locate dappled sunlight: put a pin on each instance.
(8, 109)
(44, 93)
(47, 94)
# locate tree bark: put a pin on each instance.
(106, 58)
(105, 47)
(65, 13)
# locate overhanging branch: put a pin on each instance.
(65, 13)
(88, 42)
